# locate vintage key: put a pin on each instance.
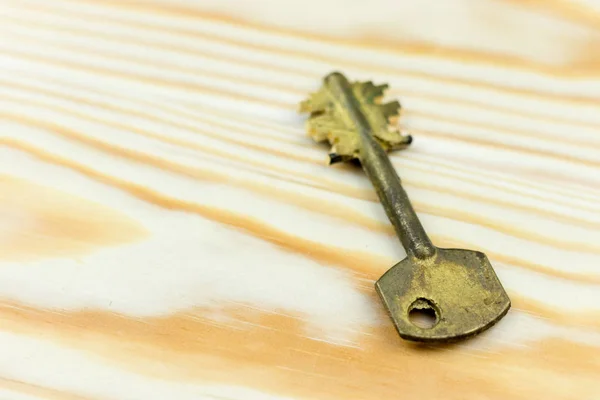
(459, 286)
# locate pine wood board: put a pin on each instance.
(168, 230)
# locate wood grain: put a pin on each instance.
(168, 231)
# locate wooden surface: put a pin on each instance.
(168, 231)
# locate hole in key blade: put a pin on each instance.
(423, 314)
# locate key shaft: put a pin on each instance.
(382, 174)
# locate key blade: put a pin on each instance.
(329, 119)
(459, 286)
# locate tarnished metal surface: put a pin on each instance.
(459, 286)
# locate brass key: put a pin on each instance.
(459, 286)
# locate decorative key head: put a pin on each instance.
(459, 286)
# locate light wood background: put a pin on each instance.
(167, 230)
